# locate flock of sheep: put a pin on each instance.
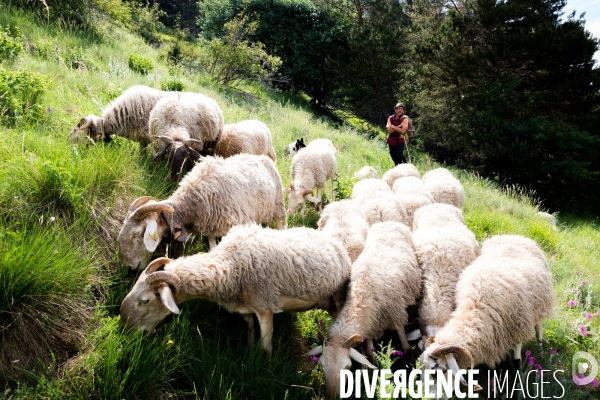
(400, 241)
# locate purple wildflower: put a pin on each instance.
(595, 382)
(320, 323)
(583, 331)
(572, 303)
(531, 361)
(582, 283)
(552, 351)
(588, 315)
(315, 358)
(527, 353)
(372, 350)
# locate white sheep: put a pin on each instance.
(501, 298)
(214, 196)
(295, 147)
(384, 281)
(342, 221)
(366, 172)
(125, 116)
(443, 252)
(411, 184)
(411, 203)
(377, 203)
(312, 167)
(184, 126)
(252, 271)
(548, 217)
(248, 136)
(444, 187)
(400, 171)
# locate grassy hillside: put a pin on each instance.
(61, 207)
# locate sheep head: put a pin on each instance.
(335, 355)
(88, 130)
(297, 197)
(445, 357)
(142, 231)
(152, 298)
(179, 153)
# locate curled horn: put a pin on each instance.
(147, 209)
(84, 123)
(166, 139)
(193, 144)
(429, 342)
(305, 192)
(461, 354)
(154, 265)
(165, 276)
(140, 201)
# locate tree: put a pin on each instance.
(511, 91)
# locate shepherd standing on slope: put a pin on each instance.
(397, 126)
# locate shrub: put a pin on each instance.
(10, 47)
(20, 96)
(46, 49)
(140, 64)
(79, 59)
(173, 85)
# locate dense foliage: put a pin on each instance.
(510, 90)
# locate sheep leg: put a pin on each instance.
(517, 356)
(404, 341)
(332, 191)
(539, 332)
(249, 318)
(319, 190)
(212, 242)
(265, 320)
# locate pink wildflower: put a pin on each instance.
(320, 323)
(598, 312)
(572, 303)
(372, 350)
(588, 315)
(583, 331)
(531, 361)
(315, 358)
(552, 351)
(582, 283)
(527, 353)
(595, 382)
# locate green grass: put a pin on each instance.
(62, 206)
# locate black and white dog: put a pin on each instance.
(295, 146)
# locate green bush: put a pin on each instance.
(20, 96)
(10, 47)
(140, 64)
(79, 59)
(173, 85)
(46, 49)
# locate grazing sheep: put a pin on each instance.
(501, 298)
(411, 203)
(125, 116)
(400, 171)
(252, 271)
(342, 221)
(311, 168)
(443, 252)
(249, 137)
(183, 126)
(214, 196)
(444, 187)
(295, 147)
(377, 203)
(366, 172)
(384, 281)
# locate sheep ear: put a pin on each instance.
(166, 296)
(287, 190)
(317, 351)
(151, 238)
(356, 356)
(312, 198)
